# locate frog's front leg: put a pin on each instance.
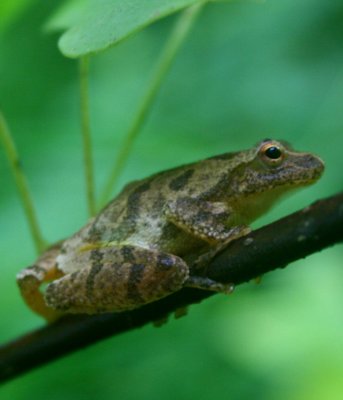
(213, 222)
(117, 278)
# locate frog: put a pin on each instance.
(156, 235)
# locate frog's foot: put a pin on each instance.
(178, 313)
(203, 260)
(160, 322)
(258, 279)
(204, 283)
(30, 279)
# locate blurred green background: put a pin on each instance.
(249, 70)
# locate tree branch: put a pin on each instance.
(273, 246)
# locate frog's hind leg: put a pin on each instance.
(30, 280)
(117, 278)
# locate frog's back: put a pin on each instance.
(137, 212)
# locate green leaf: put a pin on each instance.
(67, 15)
(107, 22)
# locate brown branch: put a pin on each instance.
(273, 246)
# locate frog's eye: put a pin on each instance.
(271, 153)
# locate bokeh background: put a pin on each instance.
(249, 70)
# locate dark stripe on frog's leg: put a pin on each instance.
(96, 258)
(181, 180)
(127, 252)
(135, 278)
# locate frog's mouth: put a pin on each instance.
(307, 170)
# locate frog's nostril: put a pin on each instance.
(318, 165)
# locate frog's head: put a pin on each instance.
(270, 170)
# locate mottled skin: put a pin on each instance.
(140, 247)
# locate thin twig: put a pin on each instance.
(176, 39)
(86, 133)
(22, 185)
(273, 246)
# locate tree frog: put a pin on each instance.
(144, 245)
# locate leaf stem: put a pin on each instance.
(86, 133)
(173, 44)
(22, 185)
